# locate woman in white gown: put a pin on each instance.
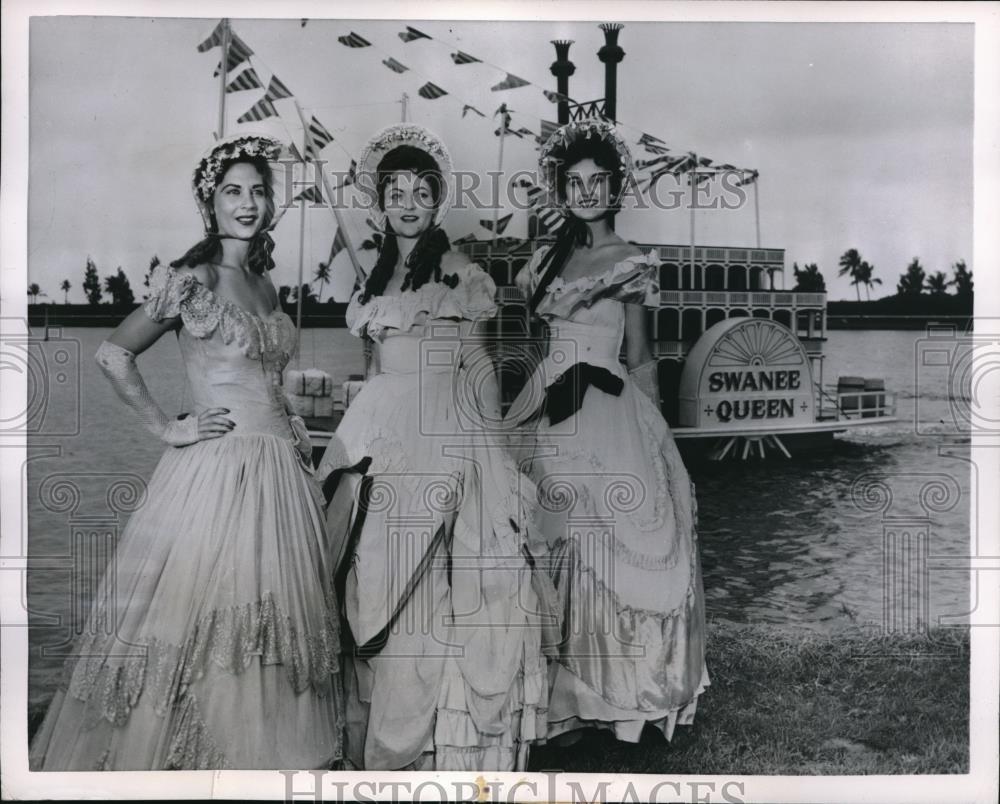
(225, 650)
(618, 507)
(446, 670)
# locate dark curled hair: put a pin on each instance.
(424, 262)
(209, 249)
(574, 232)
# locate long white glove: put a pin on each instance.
(645, 378)
(118, 365)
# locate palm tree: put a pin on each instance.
(937, 283)
(64, 287)
(865, 272)
(322, 276)
(962, 280)
(809, 279)
(34, 291)
(850, 265)
(912, 282)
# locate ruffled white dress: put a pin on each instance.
(439, 576)
(618, 512)
(225, 648)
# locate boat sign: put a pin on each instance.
(747, 373)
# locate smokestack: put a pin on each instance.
(562, 68)
(611, 54)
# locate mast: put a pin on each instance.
(503, 136)
(223, 73)
(298, 292)
(404, 101)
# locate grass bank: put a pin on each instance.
(795, 703)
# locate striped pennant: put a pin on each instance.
(464, 58)
(312, 194)
(339, 244)
(319, 138)
(653, 144)
(248, 79)
(469, 238)
(549, 218)
(239, 52)
(548, 129)
(750, 179)
(412, 34)
(213, 41)
(487, 223)
(643, 164)
(353, 40)
(431, 91)
(468, 108)
(277, 90)
(556, 97)
(526, 132)
(261, 109)
(394, 65)
(510, 82)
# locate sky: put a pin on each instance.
(862, 132)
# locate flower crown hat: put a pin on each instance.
(388, 139)
(550, 158)
(208, 171)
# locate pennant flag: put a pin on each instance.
(749, 179)
(339, 244)
(394, 65)
(510, 82)
(320, 138)
(464, 58)
(310, 194)
(526, 132)
(468, 108)
(653, 145)
(556, 97)
(469, 238)
(412, 34)
(261, 109)
(642, 164)
(304, 21)
(431, 91)
(277, 90)
(701, 178)
(239, 52)
(501, 223)
(550, 219)
(213, 41)
(548, 129)
(504, 121)
(246, 80)
(371, 225)
(524, 183)
(703, 161)
(353, 40)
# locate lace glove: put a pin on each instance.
(302, 441)
(119, 367)
(645, 378)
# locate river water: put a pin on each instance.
(795, 543)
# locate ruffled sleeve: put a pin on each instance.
(632, 281)
(168, 290)
(472, 298)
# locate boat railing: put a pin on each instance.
(837, 404)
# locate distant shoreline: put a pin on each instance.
(891, 313)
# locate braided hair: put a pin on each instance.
(574, 232)
(423, 263)
(209, 248)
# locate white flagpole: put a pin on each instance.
(223, 72)
(693, 179)
(329, 195)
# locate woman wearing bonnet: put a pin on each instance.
(634, 631)
(445, 669)
(225, 653)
